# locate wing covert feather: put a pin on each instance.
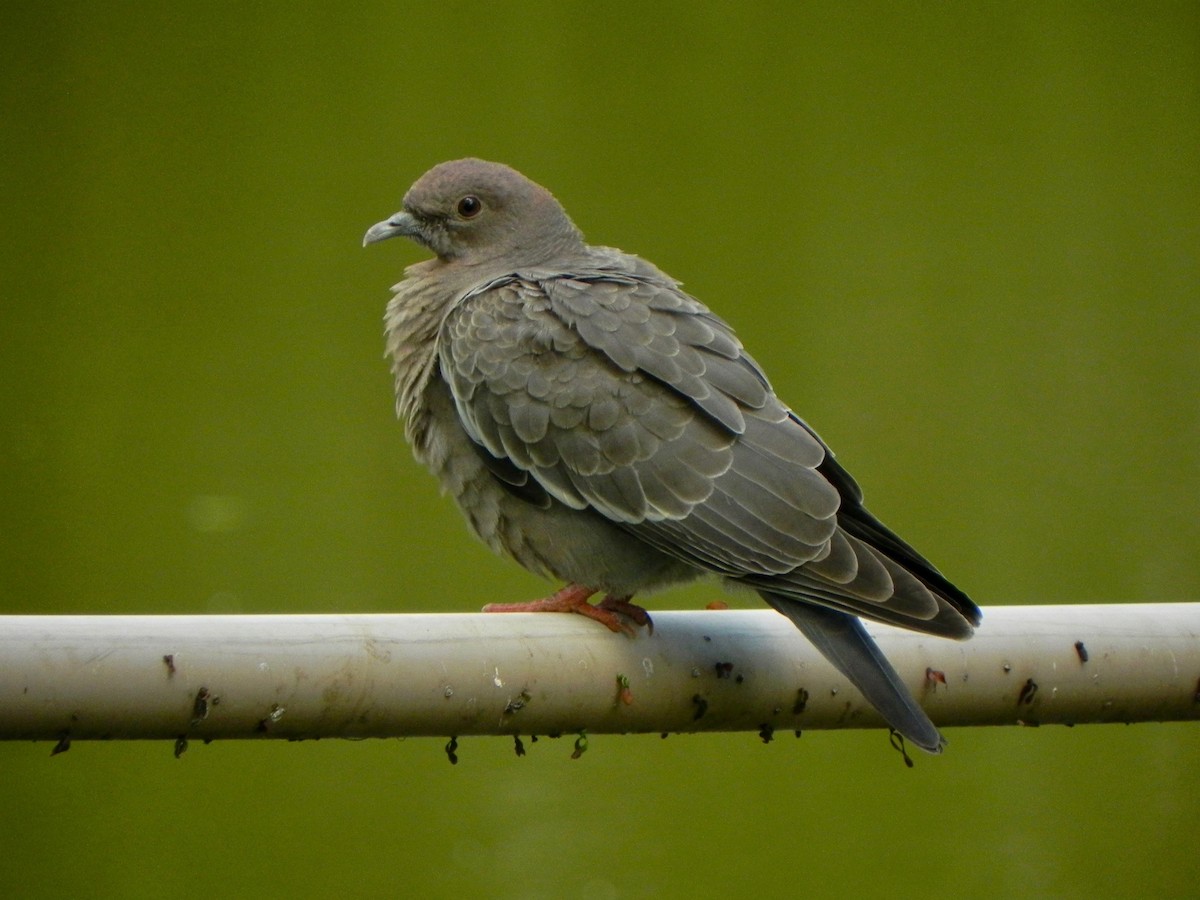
(630, 397)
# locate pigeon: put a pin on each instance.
(602, 427)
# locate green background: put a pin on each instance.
(963, 239)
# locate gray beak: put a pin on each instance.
(402, 224)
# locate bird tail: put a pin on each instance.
(844, 641)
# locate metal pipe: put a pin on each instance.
(185, 678)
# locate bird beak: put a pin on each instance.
(402, 224)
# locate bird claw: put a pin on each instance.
(622, 606)
(614, 613)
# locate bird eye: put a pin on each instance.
(470, 206)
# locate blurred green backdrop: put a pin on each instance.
(964, 239)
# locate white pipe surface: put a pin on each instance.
(66, 678)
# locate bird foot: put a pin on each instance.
(612, 612)
(622, 606)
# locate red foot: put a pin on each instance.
(574, 598)
(621, 605)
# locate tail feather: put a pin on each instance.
(842, 639)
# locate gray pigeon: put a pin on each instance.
(604, 428)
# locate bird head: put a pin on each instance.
(474, 212)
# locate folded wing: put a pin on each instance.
(624, 395)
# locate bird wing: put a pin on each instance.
(620, 393)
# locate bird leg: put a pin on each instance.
(574, 598)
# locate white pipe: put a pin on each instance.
(65, 678)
